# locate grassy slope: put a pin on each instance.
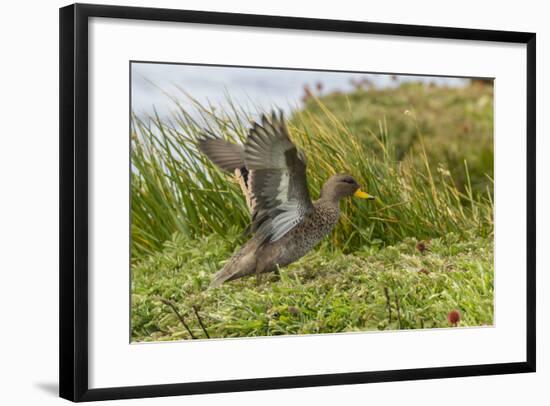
(456, 123)
(368, 262)
(324, 292)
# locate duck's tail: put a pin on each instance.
(240, 264)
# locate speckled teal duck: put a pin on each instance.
(285, 224)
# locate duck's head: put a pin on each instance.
(344, 185)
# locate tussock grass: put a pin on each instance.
(175, 189)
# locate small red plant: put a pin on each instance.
(453, 317)
(422, 246)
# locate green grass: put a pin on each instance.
(425, 151)
(457, 123)
(176, 189)
(325, 292)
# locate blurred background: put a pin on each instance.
(252, 87)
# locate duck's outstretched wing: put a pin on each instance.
(226, 155)
(230, 158)
(278, 182)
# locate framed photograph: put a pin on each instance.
(257, 202)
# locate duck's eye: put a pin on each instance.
(350, 181)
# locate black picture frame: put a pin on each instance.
(73, 277)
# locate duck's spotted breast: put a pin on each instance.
(309, 233)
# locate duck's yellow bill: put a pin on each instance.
(363, 195)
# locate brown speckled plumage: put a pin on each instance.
(310, 231)
(256, 258)
(285, 222)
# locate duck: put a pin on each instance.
(285, 223)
